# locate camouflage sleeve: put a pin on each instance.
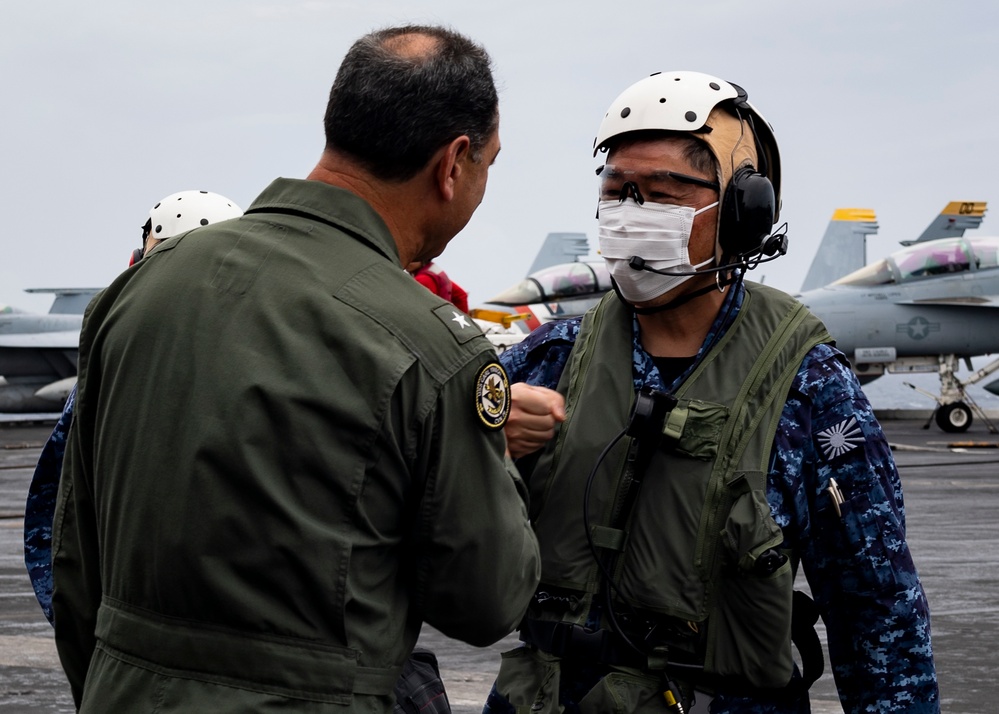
(40, 507)
(540, 358)
(856, 560)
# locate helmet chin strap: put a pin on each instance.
(734, 277)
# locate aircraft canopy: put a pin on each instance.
(559, 282)
(925, 260)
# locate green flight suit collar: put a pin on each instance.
(328, 204)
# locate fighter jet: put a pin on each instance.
(924, 308)
(38, 352)
(558, 286)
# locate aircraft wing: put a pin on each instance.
(843, 248)
(30, 417)
(953, 221)
(68, 301)
(960, 300)
(63, 340)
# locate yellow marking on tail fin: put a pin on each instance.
(964, 208)
(854, 214)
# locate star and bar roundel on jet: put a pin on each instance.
(924, 308)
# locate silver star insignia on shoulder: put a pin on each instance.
(462, 327)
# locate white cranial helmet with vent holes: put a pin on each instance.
(186, 210)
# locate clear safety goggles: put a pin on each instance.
(658, 186)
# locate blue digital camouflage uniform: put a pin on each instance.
(858, 566)
(40, 507)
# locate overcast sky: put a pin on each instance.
(110, 106)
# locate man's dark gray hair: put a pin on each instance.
(399, 97)
(695, 151)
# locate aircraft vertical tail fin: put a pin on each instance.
(68, 301)
(843, 248)
(953, 221)
(560, 248)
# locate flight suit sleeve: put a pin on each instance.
(75, 565)
(855, 554)
(480, 562)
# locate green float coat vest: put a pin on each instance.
(686, 549)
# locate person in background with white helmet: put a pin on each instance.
(175, 214)
(713, 439)
(182, 212)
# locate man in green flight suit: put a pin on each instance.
(287, 454)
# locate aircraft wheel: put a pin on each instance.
(954, 417)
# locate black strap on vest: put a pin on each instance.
(575, 642)
(608, 648)
(645, 429)
(804, 615)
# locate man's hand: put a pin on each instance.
(534, 412)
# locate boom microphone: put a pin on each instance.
(636, 262)
(774, 247)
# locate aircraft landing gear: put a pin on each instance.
(954, 417)
(955, 406)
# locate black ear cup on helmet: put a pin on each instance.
(747, 213)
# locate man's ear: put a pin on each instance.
(449, 165)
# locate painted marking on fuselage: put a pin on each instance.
(918, 327)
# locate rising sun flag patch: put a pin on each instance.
(840, 438)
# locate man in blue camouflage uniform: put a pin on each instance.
(831, 483)
(39, 507)
(175, 214)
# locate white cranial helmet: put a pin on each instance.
(186, 210)
(715, 111)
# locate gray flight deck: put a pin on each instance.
(951, 485)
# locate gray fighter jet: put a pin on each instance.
(559, 285)
(924, 308)
(38, 352)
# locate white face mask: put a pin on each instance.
(657, 232)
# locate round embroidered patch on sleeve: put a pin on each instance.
(492, 396)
